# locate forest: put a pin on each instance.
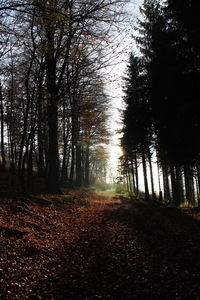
(63, 235)
(53, 104)
(162, 102)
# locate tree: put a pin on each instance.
(98, 161)
(170, 54)
(137, 115)
(53, 62)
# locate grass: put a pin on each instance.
(111, 192)
(186, 204)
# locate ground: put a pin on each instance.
(80, 246)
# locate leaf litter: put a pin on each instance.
(81, 246)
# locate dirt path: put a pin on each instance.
(112, 249)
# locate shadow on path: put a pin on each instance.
(132, 251)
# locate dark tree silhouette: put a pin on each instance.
(168, 39)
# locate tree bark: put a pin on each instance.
(145, 176)
(151, 175)
(133, 176)
(78, 164)
(173, 182)
(3, 164)
(40, 133)
(179, 184)
(189, 184)
(53, 185)
(167, 195)
(87, 165)
(136, 174)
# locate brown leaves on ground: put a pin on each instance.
(77, 246)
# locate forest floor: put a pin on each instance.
(83, 247)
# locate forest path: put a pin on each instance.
(133, 250)
(110, 249)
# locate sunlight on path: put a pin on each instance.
(105, 200)
(101, 248)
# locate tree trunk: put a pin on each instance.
(151, 175)
(30, 165)
(74, 130)
(71, 176)
(136, 175)
(176, 180)
(78, 164)
(166, 187)
(41, 164)
(173, 182)
(87, 165)
(53, 185)
(133, 176)
(74, 142)
(159, 183)
(179, 184)
(66, 130)
(198, 181)
(145, 176)
(63, 170)
(3, 164)
(189, 184)
(129, 179)
(40, 133)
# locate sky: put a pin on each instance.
(114, 89)
(115, 74)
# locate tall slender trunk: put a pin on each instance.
(176, 180)
(11, 125)
(129, 179)
(136, 174)
(40, 133)
(2, 129)
(165, 171)
(133, 176)
(189, 184)
(87, 165)
(198, 181)
(30, 165)
(63, 169)
(40, 136)
(78, 164)
(73, 143)
(28, 102)
(71, 176)
(151, 175)
(65, 129)
(173, 182)
(30, 152)
(159, 182)
(67, 162)
(53, 185)
(179, 184)
(74, 132)
(146, 187)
